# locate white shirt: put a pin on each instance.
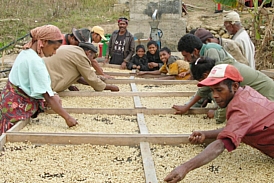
(248, 47)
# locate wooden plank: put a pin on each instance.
(118, 111)
(269, 73)
(148, 163)
(133, 87)
(109, 65)
(3, 79)
(125, 94)
(119, 74)
(137, 102)
(97, 139)
(19, 125)
(150, 81)
(3, 139)
(142, 123)
(132, 77)
(133, 74)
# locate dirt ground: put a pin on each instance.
(201, 13)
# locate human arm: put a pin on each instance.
(82, 64)
(183, 74)
(211, 152)
(152, 65)
(55, 104)
(181, 109)
(143, 64)
(98, 69)
(131, 49)
(73, 88)
(123, 65)
(113, 88)
(157, 72)
(198, 137)
(131, 64)
(108, 87)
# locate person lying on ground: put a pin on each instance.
(73, 64)
(250, 119)
(173, 66)
(29, 81)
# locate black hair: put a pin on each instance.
(201, 66)
(123, 18)
(188, 43)
(54, 42)
(84, 48)
(165, 49)
(229, 83)
(152, 42)
(140, 47)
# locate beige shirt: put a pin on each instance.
(235, 49)
(68, 65)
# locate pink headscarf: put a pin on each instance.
(46, 32)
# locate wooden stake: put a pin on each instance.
(3, 55)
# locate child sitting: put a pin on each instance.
(173, 66)
(154, 62)
(139, 60)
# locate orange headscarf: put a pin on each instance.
(46, 32)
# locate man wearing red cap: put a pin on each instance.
(121, 45)
(243, 122)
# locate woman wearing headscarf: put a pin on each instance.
(29, 81)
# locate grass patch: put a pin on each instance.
(17, 17)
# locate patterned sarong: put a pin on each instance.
(16, 105)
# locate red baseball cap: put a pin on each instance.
(219, 73)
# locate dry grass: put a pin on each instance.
(17, 17)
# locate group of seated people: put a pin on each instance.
(157, 62)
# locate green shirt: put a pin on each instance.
(214, 51)
(253, 78)
(30, 73)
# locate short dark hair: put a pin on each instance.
(203, 65)
(229, 83)
(54, 42)
(165, 49)
(140, 47)
(188, 43)
(152, 42)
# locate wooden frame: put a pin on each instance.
(149, 81)
(139, 109)
(143, 139)
(124, 94)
